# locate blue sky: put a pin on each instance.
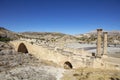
(66, 16)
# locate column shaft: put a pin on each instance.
(99, 31)
(105, 43)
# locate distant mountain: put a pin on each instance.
(42, 35)
(113, 36)
(90, 37)
(110, 33)
(48, 36)
(59, 37)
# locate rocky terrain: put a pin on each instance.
(20, 66)
(24, 66)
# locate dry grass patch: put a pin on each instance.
(91, 74)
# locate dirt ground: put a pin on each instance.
(91, 74)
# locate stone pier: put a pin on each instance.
(99, 52)
(105, 43)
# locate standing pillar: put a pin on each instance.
(105, 43)
(99, 31)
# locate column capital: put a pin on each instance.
(99, 29)
(105, 32)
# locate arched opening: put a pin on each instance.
(22, 48)
(68, 65)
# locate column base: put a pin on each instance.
(105, 56)
(98, 56)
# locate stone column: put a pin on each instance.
(99, 31)
(105, 43)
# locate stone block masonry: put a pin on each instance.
(99, 32)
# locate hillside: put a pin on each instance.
(4, 33)
(113, 37)
(45, 36)
(49, 36)
(90, 37)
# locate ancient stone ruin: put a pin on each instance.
(69, 58)
(99, 52)
(105, 43)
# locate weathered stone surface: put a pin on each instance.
(99, 41)
(105, 43)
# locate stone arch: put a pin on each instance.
(68, 65)
(22, 48)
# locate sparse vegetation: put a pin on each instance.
(4, 39)
(91, 74)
